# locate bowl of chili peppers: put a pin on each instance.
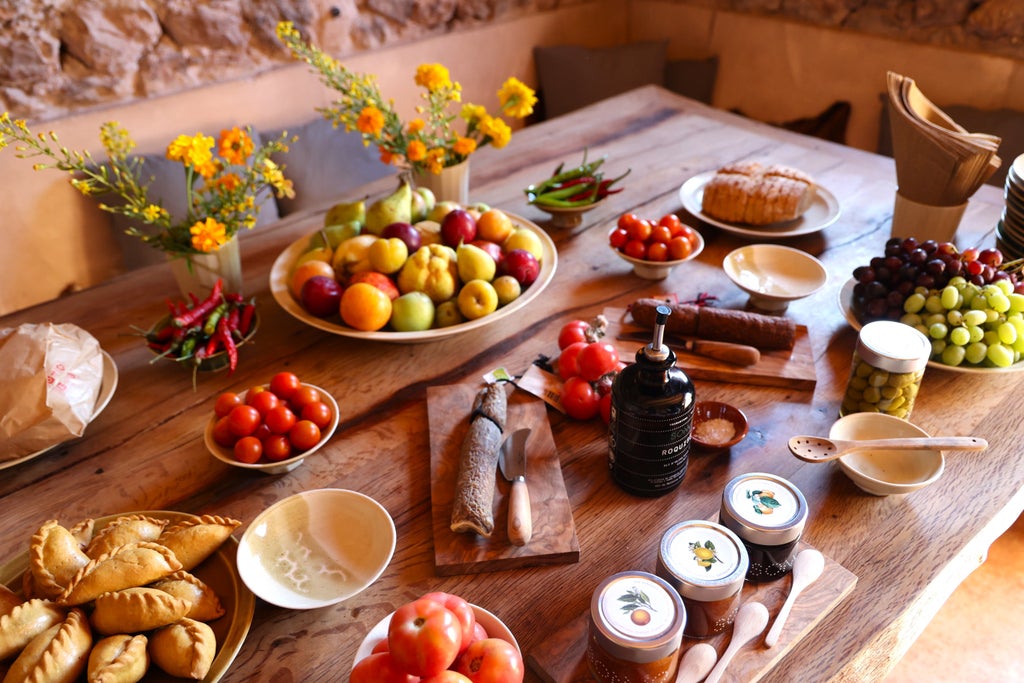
(567, 194)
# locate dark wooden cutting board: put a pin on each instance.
(554, 538)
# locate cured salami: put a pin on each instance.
(766, 332)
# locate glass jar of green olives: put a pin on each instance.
(888, 364)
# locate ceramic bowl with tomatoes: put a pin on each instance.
(271, 428)
(654, 248)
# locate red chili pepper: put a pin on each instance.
(212, 345)
(234, 317)
(245, 321)
(200, 310)
(229, 344)
(233, 298)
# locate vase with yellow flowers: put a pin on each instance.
(432, 146)
(225, 180)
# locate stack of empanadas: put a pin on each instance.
(103, 606)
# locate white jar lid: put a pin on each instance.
(637, 617)
(893, 346)
(763, 509)
(703, 560)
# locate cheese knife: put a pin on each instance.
(735, 354)
(512, 462)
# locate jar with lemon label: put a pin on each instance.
(885, 375)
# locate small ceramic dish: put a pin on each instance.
(570, 216)
(316, 548)
(494, 626)
(717, 426)
(774, 275)
(281, 466)
(658, 270)
(883, 473)
(217, 361)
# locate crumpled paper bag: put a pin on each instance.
(50, 376)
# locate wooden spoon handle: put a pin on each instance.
(961, 443)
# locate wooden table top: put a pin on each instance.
(145, 452)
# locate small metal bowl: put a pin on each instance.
(568, 217)
(710, 432)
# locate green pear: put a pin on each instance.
(428, 197)
(336, 234)
(346, 212)
(419, 207)
(474, 263)
(395, 208)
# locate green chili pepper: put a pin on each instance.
(210, 326)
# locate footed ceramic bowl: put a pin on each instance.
(886, 472)
(774, 275)
(658, 270)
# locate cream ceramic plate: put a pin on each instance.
(108, 383)
(316, 548)
(774, 275)
(283, 265)
(846, 306)
(218, 571)
(823, 212)
(493, 625)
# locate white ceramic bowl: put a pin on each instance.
(494, 626)
(282, 466)
(883, 473)
(316, 548)
(774, 275)
(658, 270)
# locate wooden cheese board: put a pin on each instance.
(562, 657)
(791, 369)
(554, 538)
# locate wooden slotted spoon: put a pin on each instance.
(821, 449)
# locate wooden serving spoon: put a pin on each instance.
(750, 622)
(696, 663)
(807, 567)
(820, 449)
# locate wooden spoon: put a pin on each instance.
(750, 621)
(696, 663)
(820, 449)
(807, 567)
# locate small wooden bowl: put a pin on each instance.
(706, 433)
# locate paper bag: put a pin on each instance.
(50, 376)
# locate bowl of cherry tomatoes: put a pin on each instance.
(271, 428)
(652, 247)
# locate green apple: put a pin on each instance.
(474, 263)
(507, 288)
(339, 232)
(412, 312)
(477, 298)
(442, 209)
(447, 314)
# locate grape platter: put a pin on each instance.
(969, 303)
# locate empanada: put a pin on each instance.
(206, 604)
(124, 530)
(118, 659)
(185, 649)
(25, 622)
(54, 557)
(83, 531)
(194, 540)
(131, 565)
(134, 610)
(8, 600)
(57, 655)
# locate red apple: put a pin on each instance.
(458, 227)
(321, 296)
(522, 265)
(378, 280)
(405, 232)
(493, 249)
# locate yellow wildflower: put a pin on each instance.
(516, 98)
(116, 140)
(152, 213)
(416, 151)
(208, 235)
(235, 146)
(433, 77)
(192, 151)
(464, 146)
(472, 112)
(497, 130)
(371, 121)
(275, 177)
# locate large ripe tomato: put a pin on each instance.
(462, 610)
(597, 360)
(579, 399)
(568, 360)
(379, 668)
(248, 449)
(424, 637)
(491, 660)
(572, 332)
(446, 676)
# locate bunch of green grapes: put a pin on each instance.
(970, 324)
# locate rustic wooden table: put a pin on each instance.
(145, 452)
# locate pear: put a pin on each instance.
(346, 212)
(338, 233)
(474, 263)
(395, 208)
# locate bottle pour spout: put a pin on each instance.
(657, 350)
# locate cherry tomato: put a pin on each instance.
(679, 248)
(447, 676)
(626, 220)
(424, 637)
(253, 392)
(604, 408)
(572, 332)
(243, 420)
(276, 447)
(319, 413)
(262, 432)
(579, 399)
(280, 419)
(661, 233)
(284, 384)
(657, 251)
(491, 660)
(379, 667)
(222, 433)
(641, 230)
(596, 360)
(225, 402)
(303, 396)
(462, 611)
(672, 222)
(248, 449)
(264, 402)
(568, 360)
(304, 435)
(618, 237)
(635, 249)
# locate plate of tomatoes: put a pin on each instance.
(271, 428)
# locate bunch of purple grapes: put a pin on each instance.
(885, 283)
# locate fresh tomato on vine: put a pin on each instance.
(572, 332)
(491, 660)
(424, 637)
(462, 610)
(579, 398)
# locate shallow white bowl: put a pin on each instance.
(316, 548)
(658, 270)
(886, 472)
(494, 626)
(774, 275)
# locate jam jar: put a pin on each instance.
(706, 563)
(888, 364)
(768, 513)
(635, 630)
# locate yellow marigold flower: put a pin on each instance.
(235, 146)
(386, 156)
(415, 126)
(208, 168)
(371, 121)
(152, 213)
(472, 112)
(435, 160)
(464, 146)
(228, 182)
(433, 77)
(208, 235)
(192, 151)
(497, 130)
(416, 151)
(517, 98)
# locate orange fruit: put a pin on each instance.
(494, 225)
(365, 307)
(307, 270)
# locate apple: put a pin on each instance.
(507, 288)
(321, 296)
(523, 238)
(441, 209)
(378, 280)
(477, 298)
(405, 232)
(492, 248)
(458, 227)
(447, 314)
(474, 263)
(412, 312)
(522, 265)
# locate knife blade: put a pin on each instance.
(736, 354)
(512, 463)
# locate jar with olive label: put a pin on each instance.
(635, 629)
(885, 375)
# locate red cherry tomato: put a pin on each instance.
(491, 660)
(661, 233)
(248, 449)
(379, 667)
(277, 447)
(264, 402)
(243, 420)
(604, 408)
(304, 435)
(225, 402)
(618, 237)
(626, 220)
(635, 249)
(596, 360)
(424, 637)
(284, 384)
(462, 611)
(253, 392)
(302, 397)
(579, 399)
(641, 230)
(222, 433)
(572, 332)
(568, 360)
(672, 222)
(280, 419)
(679, 248)
(262, 432)
(319, 413)
(657, 251)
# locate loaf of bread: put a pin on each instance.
(754, 194)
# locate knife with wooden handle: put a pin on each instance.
(512, 462)
(735, 354)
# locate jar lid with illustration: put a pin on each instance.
(637, 617)
(702, 560)
(763, 509)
